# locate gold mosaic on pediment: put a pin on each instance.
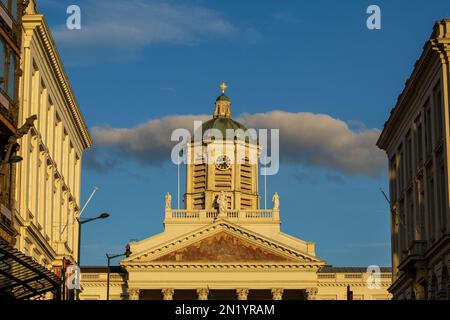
(222, 247)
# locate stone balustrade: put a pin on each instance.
(185, 215)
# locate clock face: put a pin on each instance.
(223, 162)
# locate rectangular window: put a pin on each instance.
(402, 229)
(400, 168)
(431, 213)
(3, 66)
(428, 131)
(409, 219)
(419, 151)
(393, 180)
(443, 203)
(12, 7)
(409, 168)
(439, 113)
(421, 219)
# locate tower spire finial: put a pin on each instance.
(223, 87)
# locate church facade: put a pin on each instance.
(223, 245)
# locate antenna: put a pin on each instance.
(400, 220)
(385, 196)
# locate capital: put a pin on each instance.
(242, 293)
(311, 293)
(133, 293)
(202, 293)
(167, 293)
(277, 294)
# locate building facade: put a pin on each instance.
(416, 138)
(222, 245)
(333, 283)
(47, 180)
(21, 277)
(10, 37)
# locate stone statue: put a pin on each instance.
(168, 201)
(222, 201)
(276, 201)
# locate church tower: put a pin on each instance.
(222, 242)
(222, 160)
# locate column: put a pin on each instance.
(202, 293)
(42, 193)
(311, 293)
(133, 294)
(431, 286)
(277, 294)
(242, 293)
(419, 288)
(167, 293)
(50, 199)
(419, 291)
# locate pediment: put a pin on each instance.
(221, 242)
(223, 247)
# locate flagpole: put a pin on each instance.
(178, 183)
(265, 185)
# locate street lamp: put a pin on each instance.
(103, 215)
(110, 257)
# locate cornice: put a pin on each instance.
(436, 46)
(39, 240)
(220, 266)
(101, 284)
(37, 21)
(405, 96)
(345, 284)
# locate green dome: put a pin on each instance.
(222, 124)
(223, 97)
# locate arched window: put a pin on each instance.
(12, 75)
(2, 65)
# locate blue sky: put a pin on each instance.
(139, 61)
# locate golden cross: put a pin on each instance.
(223, 86)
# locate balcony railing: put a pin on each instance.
(184, 215)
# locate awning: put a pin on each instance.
(21, 277)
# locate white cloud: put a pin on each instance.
(322, 141)
(134, 24)
(306, 139)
